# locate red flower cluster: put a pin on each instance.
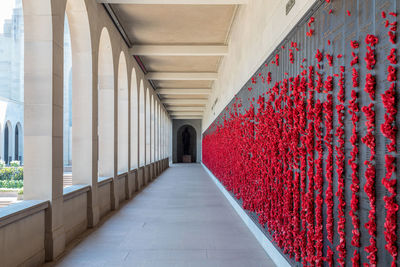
(291, 57)
(354, 60)
(370, 58)
(389, 130)
(330, 59)
(355, 186)
(318, 56)
(369, 188)
(370, 86)
(391, 74)
(355, 77)
(340, 159)
(277, 157)
(354, 44)
(392, 31)
(392, 56)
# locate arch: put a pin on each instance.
(142, 122)
(152, 129)
(123, 116)
(18, 146)
(157, 131)
(163, 134)
(134, 121)
(106, 106)
(148, 126)
(7, 142)
(67, 98)
(82, 91)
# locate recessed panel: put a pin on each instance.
(183, 84)
(181, 63)
(172, 24)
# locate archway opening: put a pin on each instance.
(106, 107)
(186, 143)
(148, 127)
(18, 143)
(78, 95)
(67, 104)
(123, 116)
(152, 129)
(134, 121)
(142, 131)
(7, 143)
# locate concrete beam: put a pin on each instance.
(186, 117)
(176, 2)
(178, 108)
(182, 76)
(186, 113)
(185, 102)
(183, 91)
(179, 50)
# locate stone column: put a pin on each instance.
(43, 112)
(84, 105)
(114, 193)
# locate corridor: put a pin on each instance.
(180, 219)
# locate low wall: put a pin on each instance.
(133, 182)
(22, 233)
(75, 211)
(104, 196)
(120, 183)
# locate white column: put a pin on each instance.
(84, 105)
(43, 113)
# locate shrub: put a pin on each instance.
(12, 173)
(11, 184)
(15, 163)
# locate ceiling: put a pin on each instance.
(180, 43)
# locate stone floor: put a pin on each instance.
(181, 219)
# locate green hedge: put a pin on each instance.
(11, 174)
(11, 184)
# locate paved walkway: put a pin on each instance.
(181, 219)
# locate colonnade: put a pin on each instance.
(120, 128)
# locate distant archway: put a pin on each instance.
(123, 116)
(106, 106)
(152, 129)
(18, 142)
(142, 128)
(148, 127)
(7, 145)
(134, 121)
(186, 143)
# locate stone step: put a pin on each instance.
(67, 180)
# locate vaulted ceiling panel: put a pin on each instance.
(183, 84)
(181, 63)
(175, 24)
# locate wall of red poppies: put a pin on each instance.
(309, 145)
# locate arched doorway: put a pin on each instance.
(6, 143)
(105, 107)
(186, 144)
(18, 143)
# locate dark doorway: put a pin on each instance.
(186, 143)
(16, 143)
(6, 138)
